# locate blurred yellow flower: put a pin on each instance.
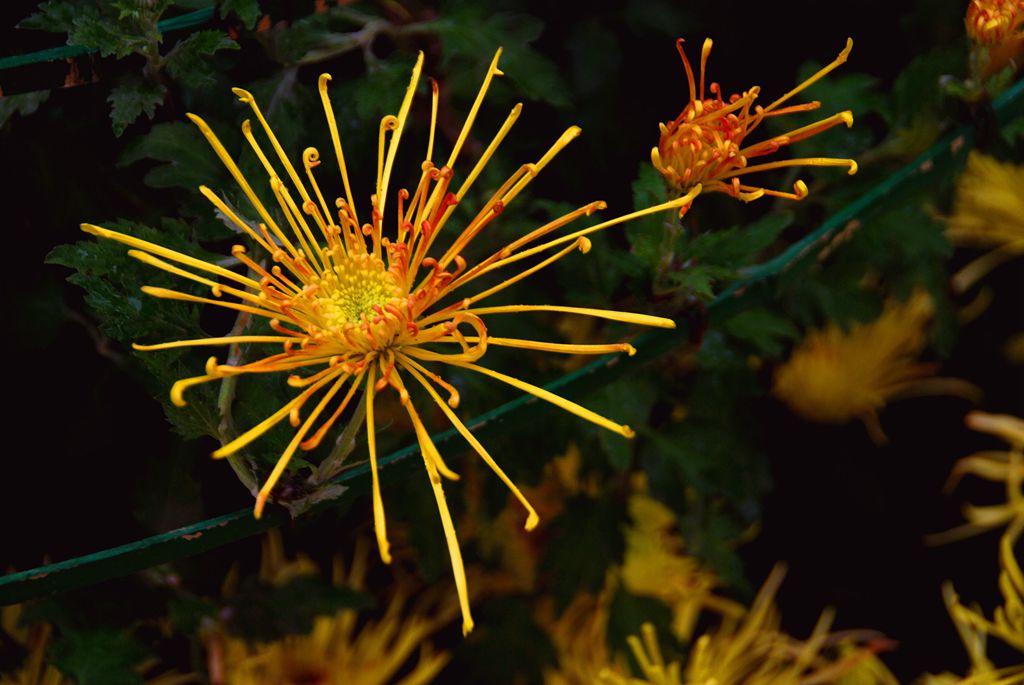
(1007, 622)
(341, 649)
(993, 21)
(748, 650)
(353, 305)
(655, 565)
(580, 637)
(998, 466)
(834, 376)
(988, 213)
(705, 144)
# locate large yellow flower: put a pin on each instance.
(834, 376)
(988, 213)
(354, 307)
(706, 144)
(340, 649)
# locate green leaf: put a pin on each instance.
(628, 401)
(118, 38)
(472, 31)
(100, 657)
(55, 16)
(585, 540)
(189, 159)
(23, 104)
(132, 98)
(507, 647)
(187, 61)
(763, 329)
(262, 612)
(382, 90)
(652, 238)
(248, 11)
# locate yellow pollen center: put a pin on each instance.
(352, 287)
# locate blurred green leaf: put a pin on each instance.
(261, 612)
(23, 104)
(248, 11)
(100, 656)
(189, 160)
(507, 647)
(627, 401)
(766, 331)
(585, 540)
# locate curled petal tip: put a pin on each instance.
(847, 118)
(846, 51)
(628, 432)
(467, 626)
(323, 79)
(584, 245)
(853, 168)
(531, 521)
(243, 95)
(177, 395)
(630, 350)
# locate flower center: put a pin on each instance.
(703, 145)
(351, 289)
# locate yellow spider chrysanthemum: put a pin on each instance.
(988, 213)
(834, 376)
(749, 650)
(705, 144)
(340, 649)
(355, 307)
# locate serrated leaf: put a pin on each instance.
(187, 61)
(106, 36)
(23, 104)
(131, 99)
(100, 657)
(248, 11)
(189, 160)
(55, 16)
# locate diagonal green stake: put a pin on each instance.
(944, 156)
